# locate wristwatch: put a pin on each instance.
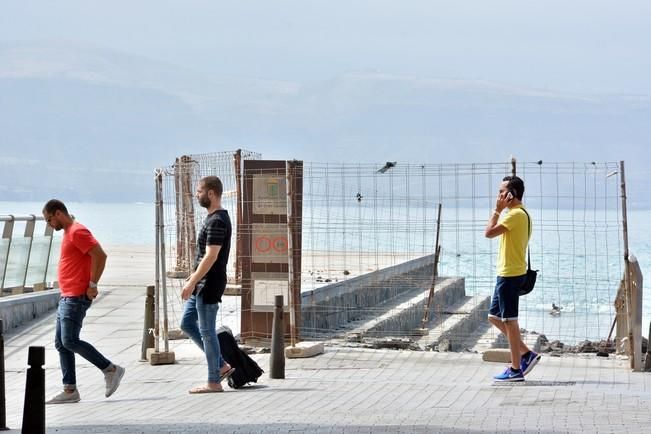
(92, 284)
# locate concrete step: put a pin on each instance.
(406, 312)
(454, 326)
(331, 307)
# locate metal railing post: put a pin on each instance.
(29, 233)
(49, 232)
(6, 235)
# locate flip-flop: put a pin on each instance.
(226, 374)
(204, 389)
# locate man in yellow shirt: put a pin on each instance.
(514, 233)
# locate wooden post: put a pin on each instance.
(178, 206)
(185, 228)
(189, 228)
(636, 312)
(621, 321)
(34, 409)
(277, 357)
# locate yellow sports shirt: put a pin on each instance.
(511, 259)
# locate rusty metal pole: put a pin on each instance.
(148, 328)
(34, 409)
(435, 272)
(513, 166)
(277, 357)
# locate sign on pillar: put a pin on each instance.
(266, 250)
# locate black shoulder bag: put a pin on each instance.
(530, 279)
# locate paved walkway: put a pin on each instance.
(344, 390)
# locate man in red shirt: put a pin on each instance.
(80, 268)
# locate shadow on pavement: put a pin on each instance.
(258, 428)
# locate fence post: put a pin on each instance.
(291, 224)
(238, 216)
(148, 328)
(34, 409)
(158, 187)
(627, 269)
(3, 401)
(277, 359)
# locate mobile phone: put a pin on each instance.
(509, 196)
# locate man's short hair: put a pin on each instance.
(515, 186)
(213, 183)
(54, 205)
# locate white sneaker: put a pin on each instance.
(65, 398)
(113, 379)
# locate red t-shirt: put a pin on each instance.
(74, 264)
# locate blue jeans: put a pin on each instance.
(70, 317)
(199, 323)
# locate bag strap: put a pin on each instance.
(528, 248)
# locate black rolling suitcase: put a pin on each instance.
(246, 369)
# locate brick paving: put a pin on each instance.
(345, 390)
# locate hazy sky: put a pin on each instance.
(576, 46)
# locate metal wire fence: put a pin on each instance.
(369, 231)
(183, 216)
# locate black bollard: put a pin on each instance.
(147, 331)
(34, 410)
(277, 359)
(3, 401)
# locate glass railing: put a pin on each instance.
(28, 254)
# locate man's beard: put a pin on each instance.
(204, 202)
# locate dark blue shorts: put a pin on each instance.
(504, 305)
